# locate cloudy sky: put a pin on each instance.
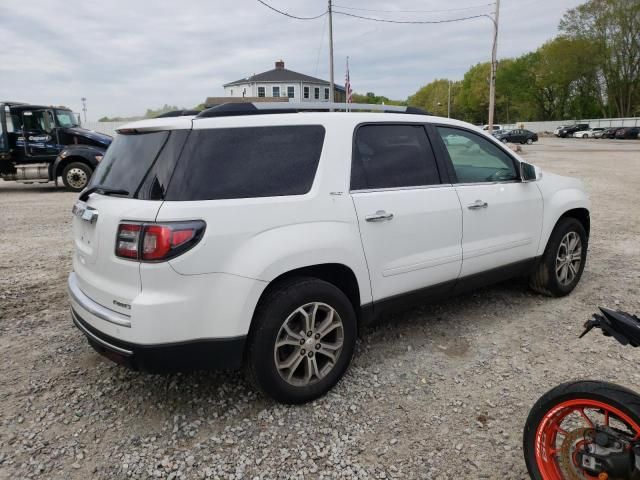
(127, 56)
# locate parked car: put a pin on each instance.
(591, 133)
(267, 241)
(518, 135)
(495, 127)
(628, 132)
(610, 132)
(569, 131)
(556, 132)
(600, 133)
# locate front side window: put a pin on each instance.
(306, 92)
(275, 92)
(476, 159)
(290, 92)
(250, 162)
(316, 93)
(261, 92)
(392, 156)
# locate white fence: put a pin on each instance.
(104, 127)
(110, 127)
(593, 122)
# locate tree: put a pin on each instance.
(433, 97)
(613, 29)
(372, 98)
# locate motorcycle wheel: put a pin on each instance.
(557, 424)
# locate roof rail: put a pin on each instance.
(261, 108)
(178, 113)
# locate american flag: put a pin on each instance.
(347, 85)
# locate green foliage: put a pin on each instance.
(372, 98)
(591, 70)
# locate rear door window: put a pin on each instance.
(128, 159)
(392, 156)
(225, 163)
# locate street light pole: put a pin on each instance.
(332, 88)
(84, 108)
(492, 81)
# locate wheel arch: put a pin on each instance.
(337, 274)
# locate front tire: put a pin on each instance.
(76, 175)
(559, 269)
(556, 418)
(302, 340)
(529, 141)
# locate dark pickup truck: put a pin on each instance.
(40, 144)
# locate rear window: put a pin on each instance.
(225, 163)
(128, 159)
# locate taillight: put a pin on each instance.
(155, 242)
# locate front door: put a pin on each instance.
(4, 136)
(502, 216)
(39, 134)
(410, 222)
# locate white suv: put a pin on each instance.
(265, 236)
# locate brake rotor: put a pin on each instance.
(567, 450)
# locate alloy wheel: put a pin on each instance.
(568, 258)
(308, 344)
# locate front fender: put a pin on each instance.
(87, 153)
(560, 202)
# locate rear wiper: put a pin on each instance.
(84, 196)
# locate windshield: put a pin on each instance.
(66, 118)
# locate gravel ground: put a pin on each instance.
(439, 392)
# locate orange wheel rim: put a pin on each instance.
(550, 431)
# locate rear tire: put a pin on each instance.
(559, 269)
(76, 175)
(616, 396)
(288, 363)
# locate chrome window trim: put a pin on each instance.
(396, 189)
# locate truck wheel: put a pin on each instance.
(559, 269)
(76, 176)
(302, 340)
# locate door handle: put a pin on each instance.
(379, 216)
(477, 205)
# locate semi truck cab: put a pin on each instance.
(40, 144)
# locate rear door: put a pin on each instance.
(502, 216)
(410, 220)
(129, 163)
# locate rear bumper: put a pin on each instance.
(207, 354)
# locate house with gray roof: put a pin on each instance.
(283, 83)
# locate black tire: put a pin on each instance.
(585, 136)
(504, 140)
(271, 313)
(76, 175)
(619, 397)
(529, 141)
(544, 278)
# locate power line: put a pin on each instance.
(324, 27)
(415, 11)
(415, 22)
(289, 15)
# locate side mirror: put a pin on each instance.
(527, 172)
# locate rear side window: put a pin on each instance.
(392, 156)
(128, 159)
(250, 162)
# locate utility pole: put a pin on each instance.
(332, 88)
(494, 66)
(84, 108)
(449, 101)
